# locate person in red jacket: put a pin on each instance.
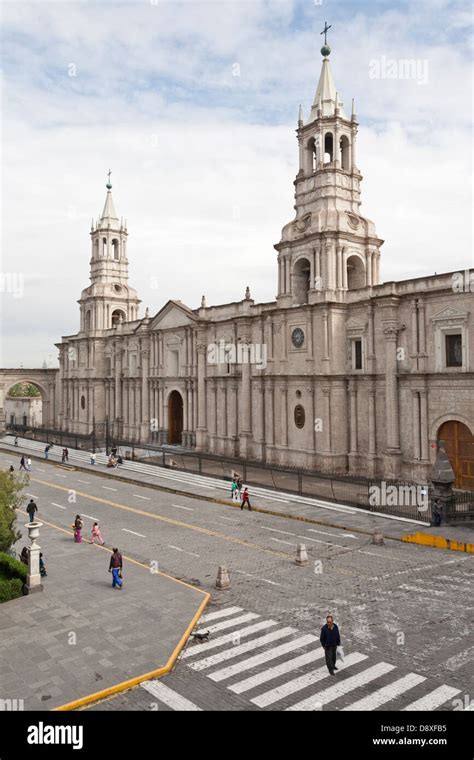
(245, 499)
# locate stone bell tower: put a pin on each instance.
(109, 300)
(329, 248)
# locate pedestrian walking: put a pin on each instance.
(115, 567)
(16, 441)
(46, 451)
(330, 640)
(23, 464)
(28, 464)
(24, 556)
(96, 534)
(246, 499)
(78, 526)
(31, 508)
(11, 470)
(66, 452)
(63, 457)
(93, 458)
(234, 490)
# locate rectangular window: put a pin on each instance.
(357, 354)
(454, 350)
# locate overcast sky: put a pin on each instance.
(193, 106)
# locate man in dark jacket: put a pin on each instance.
(115, 567)
(330, 640)
(31, 508)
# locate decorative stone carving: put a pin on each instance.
(301, 225)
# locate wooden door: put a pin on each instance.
(459, 443)
(175, 417)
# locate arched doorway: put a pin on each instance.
(23, 405)
(175, 417)
(459, 444)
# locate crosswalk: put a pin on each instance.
(278, 667)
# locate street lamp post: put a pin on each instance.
(33, 579)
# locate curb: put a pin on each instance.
(438, 542)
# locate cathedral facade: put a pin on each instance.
(341, 373)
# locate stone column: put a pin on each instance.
(353, 416)
(201, 392)
(372, 430)
(416, 425)
(145, 395)
(245, 399)
(269, 414)
(232, 431)
(368, 267)
(118, 393)
(339, 283)
(327, 419)
(422, 333)
(424, 425)
(392, 410)
(284, 415)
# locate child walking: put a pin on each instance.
(96, 534)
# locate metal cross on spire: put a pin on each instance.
(109, 184)
(325, 31)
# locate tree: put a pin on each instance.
(11, 498)
(24, 389)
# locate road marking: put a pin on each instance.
(259, 659)
(229, 519)
(228, 654)
(235, 635)
(59, 475)
(132, 531)
(178, 549)
(40, 469)
(334, 535)
(57, 505)
(171, 698)
(316, 701)
(377, 554)
(386, 693)
(276, 671)
(273, 583)
(107, 488)
(301, 682)
(169, 520)
(434, 699)
(141, 497)
(412, 569)
(178, 506)
(275, 530)
(89, 517)
(219, 614)
(230, 623)
(279, 540)
(33, 495)
(87, 482)
(406, 587)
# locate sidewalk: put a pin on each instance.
(281, 504)
(81, 636)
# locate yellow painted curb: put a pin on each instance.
(439, 542)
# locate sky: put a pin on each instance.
(193, 106)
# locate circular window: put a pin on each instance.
(83, 402)
(299, 416)
(118, 288)
(297, 337)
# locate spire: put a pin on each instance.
(109, 216)
(300, 117)
(327, 98)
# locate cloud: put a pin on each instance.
(203, 159)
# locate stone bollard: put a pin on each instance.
(223, 579)
(301, 555)
(33, 579)
(377, 537)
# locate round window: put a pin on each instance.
(118, 288)
(297, 337)
(299, 416)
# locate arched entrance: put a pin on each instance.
(459, 443)
(175, 417)
(23, 405)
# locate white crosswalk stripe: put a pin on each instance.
(302, 682)
(229, 623)
(220, 614)
(229, 654)
(276, 671)
(387, 693)
(316, 701)
(259, 659)
(169, 697)
(434, 699)
(228, 637)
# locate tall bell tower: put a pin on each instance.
(109, 300)
(329, 248)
